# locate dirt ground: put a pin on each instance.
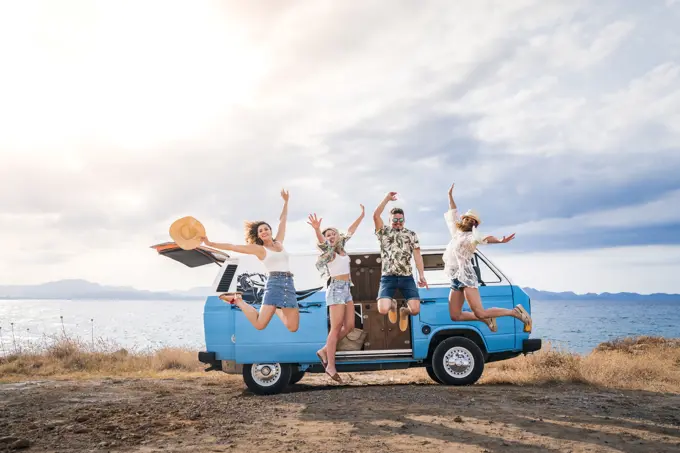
(376, 412)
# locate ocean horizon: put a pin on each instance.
(574, 325)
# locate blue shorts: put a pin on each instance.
(279, 291)
(457, 285)
(389, 284)
(338, 292)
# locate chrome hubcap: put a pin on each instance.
(266, 374)
(459, 362)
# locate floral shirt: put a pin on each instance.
(328, 253)
(460, 250)
(396, 250)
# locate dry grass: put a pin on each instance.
(66, 357)
(641, 363)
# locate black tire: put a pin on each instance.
(469, 368)
(296, 376)
(430, 372)
(260, 380)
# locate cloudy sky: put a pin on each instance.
(557, 120)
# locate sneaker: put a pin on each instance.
(404, 313)
(392, 314)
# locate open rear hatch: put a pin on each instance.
(199, 256)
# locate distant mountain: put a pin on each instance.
(568, 295)
(83, 289)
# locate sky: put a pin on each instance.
(557, 120)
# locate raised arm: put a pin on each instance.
(316, 224)
(281, 232)
(353, 227)
(452, 204)
(495, 240)
(250, 249)
(391, 196)
(451, 215)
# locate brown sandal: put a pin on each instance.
(335, 377)
(324, 364)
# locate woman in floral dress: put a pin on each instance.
(334, 263)
(458, 265)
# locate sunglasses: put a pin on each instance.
(397, 220)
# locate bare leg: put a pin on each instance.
(347, 326)
(290, 318)
(348, 322)
(337, 318)
(475, 302)
(413, 306)
(385, 304)
(456, 300)
(258, 320)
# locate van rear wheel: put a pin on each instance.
(458, 361)
(267, 378)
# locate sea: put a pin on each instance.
(574, 325)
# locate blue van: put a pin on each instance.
(453, 353)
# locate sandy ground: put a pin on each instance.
(384, 411)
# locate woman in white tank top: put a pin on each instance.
(279, 292)
(334, 263)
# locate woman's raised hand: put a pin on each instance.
(451, 189)
(508, 239)
(285, 195)
(314, 221)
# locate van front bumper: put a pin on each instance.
(531, 345)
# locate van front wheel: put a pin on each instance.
(296, 376)
(430, 372)
(458, 361)
(267, 378)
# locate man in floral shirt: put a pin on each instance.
(397, 245)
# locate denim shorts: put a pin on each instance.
(405, 283)
(338, 292)
(280, 291)
(457, 285)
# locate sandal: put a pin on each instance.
(230, 298)
(524, 317)
(491, 323)
(335, 377)
(324, 364)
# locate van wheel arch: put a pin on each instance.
(465, 333)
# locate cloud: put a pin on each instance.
(555, 119)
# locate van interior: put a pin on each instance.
(380, 337)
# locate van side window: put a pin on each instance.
(485, 274)
(434, 269)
